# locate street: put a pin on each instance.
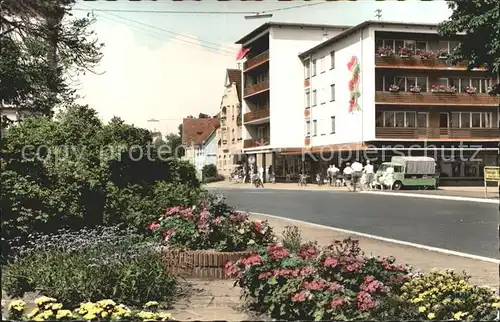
(468, 227)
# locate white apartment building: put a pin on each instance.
(404, 116)
(272, 102)
(229, 134)
(316, 88)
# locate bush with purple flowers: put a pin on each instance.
(90, 265)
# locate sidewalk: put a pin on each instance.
(472, 192)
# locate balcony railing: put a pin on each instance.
(428, 98)
(416, 62)
(259, 87)
(255, 143)
(436, 133)
(256, 61)
(257, 114)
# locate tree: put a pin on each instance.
(42, 49)
(479, 20)
(203, 116)
(174, 142)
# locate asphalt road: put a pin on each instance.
(462, 226)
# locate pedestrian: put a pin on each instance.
(368, 170)
(329, 173)
(261, 177)
(335, 172)
(348, 175)
(357, 172)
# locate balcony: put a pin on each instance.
(256, 88)
(256, 143)
(413, 133)
(256, 115)
(256, 61)
(437, 99)
(415, 62)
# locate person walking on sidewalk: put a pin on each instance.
(368, 170)
(348, 175)
(357, 171)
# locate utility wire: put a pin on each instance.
(198, 42)
(157, 34)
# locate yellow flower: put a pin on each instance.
(431, 316)
(164, 316)
(446, 301)
(422, 309)
(38, 318)
(151, 304)
(44, 299)
(17, 305)
(104, 314)
(61, 314)
(90, 316)
(496, 305)
(53, 306)
(106, 303)
(459, 315)
(33, 313)
(416, 300)
(146, 315)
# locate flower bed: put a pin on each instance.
(339, 282)
(48, 308)
(198, 241)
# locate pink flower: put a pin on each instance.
(330, 262)
(353, 267)
(258, 226)
(365, 301)
(277, 252)
(167, 234)
(308, 252)
(231, 270)
(218, 220)
(299, 297)
(370, 285)
(314, 285)
(333, 287)
(307, 271)
(250, 261)
(154, 225)
(338, 302)
(265, 275)
(186, 213)
(238, 217)
(172, 211)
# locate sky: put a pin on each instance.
(166, 66)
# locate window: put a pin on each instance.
(486, 120)
(379, 82)
(421, 45)
(409, 119)
(400, 119)
(465, 120)
(409, 44)
(315, 127)
(308, 128)
(389, 119)
(307, 98)
(332, 124)
(314, 98)
(475, 82)
(379, 119)
(422, 83)
(398, 44)
(332, 93)
(323, 96)
(314, 67)
(442, 82)
(471, 119)
(307, 69)
(322, 64)
(422, 120)
(401, 82)
(332, 60)
(476, 120)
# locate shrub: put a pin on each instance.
(74, 172)
(447, 296)
(334, 283)
(90, 265)
(292, 238)
(48, 308)
(209, 171)
(214, 179)
(210, 225)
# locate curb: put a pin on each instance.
(388, 240)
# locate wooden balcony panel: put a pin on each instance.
(436, 133)
(259, 87)
(255, 143)
(256, 61)
(418, 63)
(257, 114)
(428, 98)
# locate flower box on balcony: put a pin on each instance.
(415, 89)
(394, 88)
(384, 52)
(443, 54)
(405, 52)
(424, 54)
(470, 90)
(443, 89)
